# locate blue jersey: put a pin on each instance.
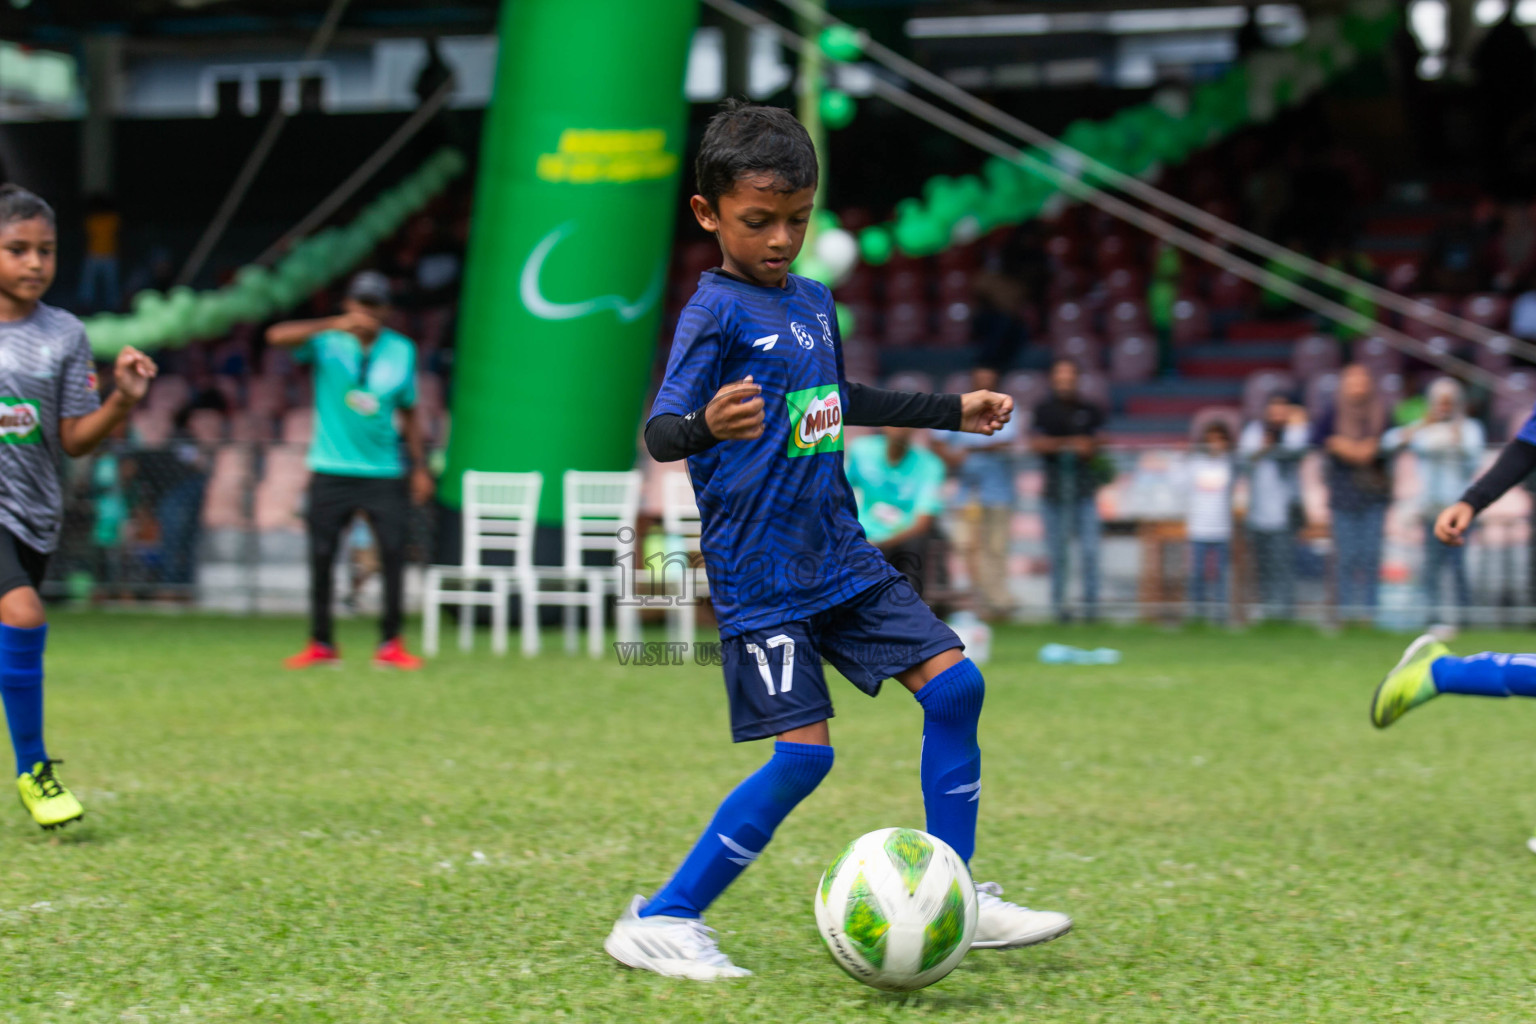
(1528, 431)
(780, 527)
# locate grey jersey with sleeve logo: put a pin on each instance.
(46, 374)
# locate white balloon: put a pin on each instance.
(838, 251)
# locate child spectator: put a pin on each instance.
(1208, 521)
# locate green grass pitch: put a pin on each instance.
(1234, 840)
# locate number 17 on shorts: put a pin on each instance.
(775, 683)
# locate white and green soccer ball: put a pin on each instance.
(897, 909)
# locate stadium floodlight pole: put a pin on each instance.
(1153, 225)
(1163, 201)
(258, 156)
(359, 177)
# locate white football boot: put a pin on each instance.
(1004, 925)
(677, 947)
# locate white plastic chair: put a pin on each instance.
(501, 513)
(600, 512)
(681, 524)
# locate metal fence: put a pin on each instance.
(220, 527)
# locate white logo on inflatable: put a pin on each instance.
(544, 309)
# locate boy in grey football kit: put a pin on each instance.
(46, 374)
(49, 408)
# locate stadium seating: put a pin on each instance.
(1494, 356)
(1132, 359)
(1314, 354)
(1378, 355)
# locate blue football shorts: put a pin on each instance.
(774, 678)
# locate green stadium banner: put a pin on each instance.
(574, 209)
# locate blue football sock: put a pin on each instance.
(21, 687)
(1486, 675)
(951, 770)
(741, 828)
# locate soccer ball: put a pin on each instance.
(897, 909)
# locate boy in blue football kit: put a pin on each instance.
(1427, 668)
(48, 407)
(756, 399)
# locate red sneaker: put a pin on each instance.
(392, 654)
(315, 653)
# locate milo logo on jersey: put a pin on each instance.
(19, 421)
(816, 418)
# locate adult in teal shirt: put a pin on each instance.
(365, 414)
(899, 487)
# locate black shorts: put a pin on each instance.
(20, 565)
(774, 679)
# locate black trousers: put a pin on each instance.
(20, 566)
(332, 502)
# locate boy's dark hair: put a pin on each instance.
(745, 138)
(16, 203)
(1217, 427)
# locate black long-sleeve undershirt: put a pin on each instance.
(670, 437)
(1513, 465)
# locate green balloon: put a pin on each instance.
(841, 42)
(204, 318)
(288, 292)
(414, 193)
(355, 244)
(1082, 135)
(837, 109)
(968, 194)
(847, 323)
(946, 203)
(811, 267)
(181, 298)
(148, 302)
(1003, 176)
(103, 334)
(920, 236)
(875, 246)
(290, 271)
(254, 278)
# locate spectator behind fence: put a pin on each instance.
(173, 479)
(1359, 488)
(107, 497)
(1448, 445)
(1066, 439)
(985, 468)
(99, 273)
(900, 491)
(1208, 521)
(1271, 449)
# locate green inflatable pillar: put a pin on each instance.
(574, 209)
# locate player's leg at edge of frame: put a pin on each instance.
(1427, 669)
